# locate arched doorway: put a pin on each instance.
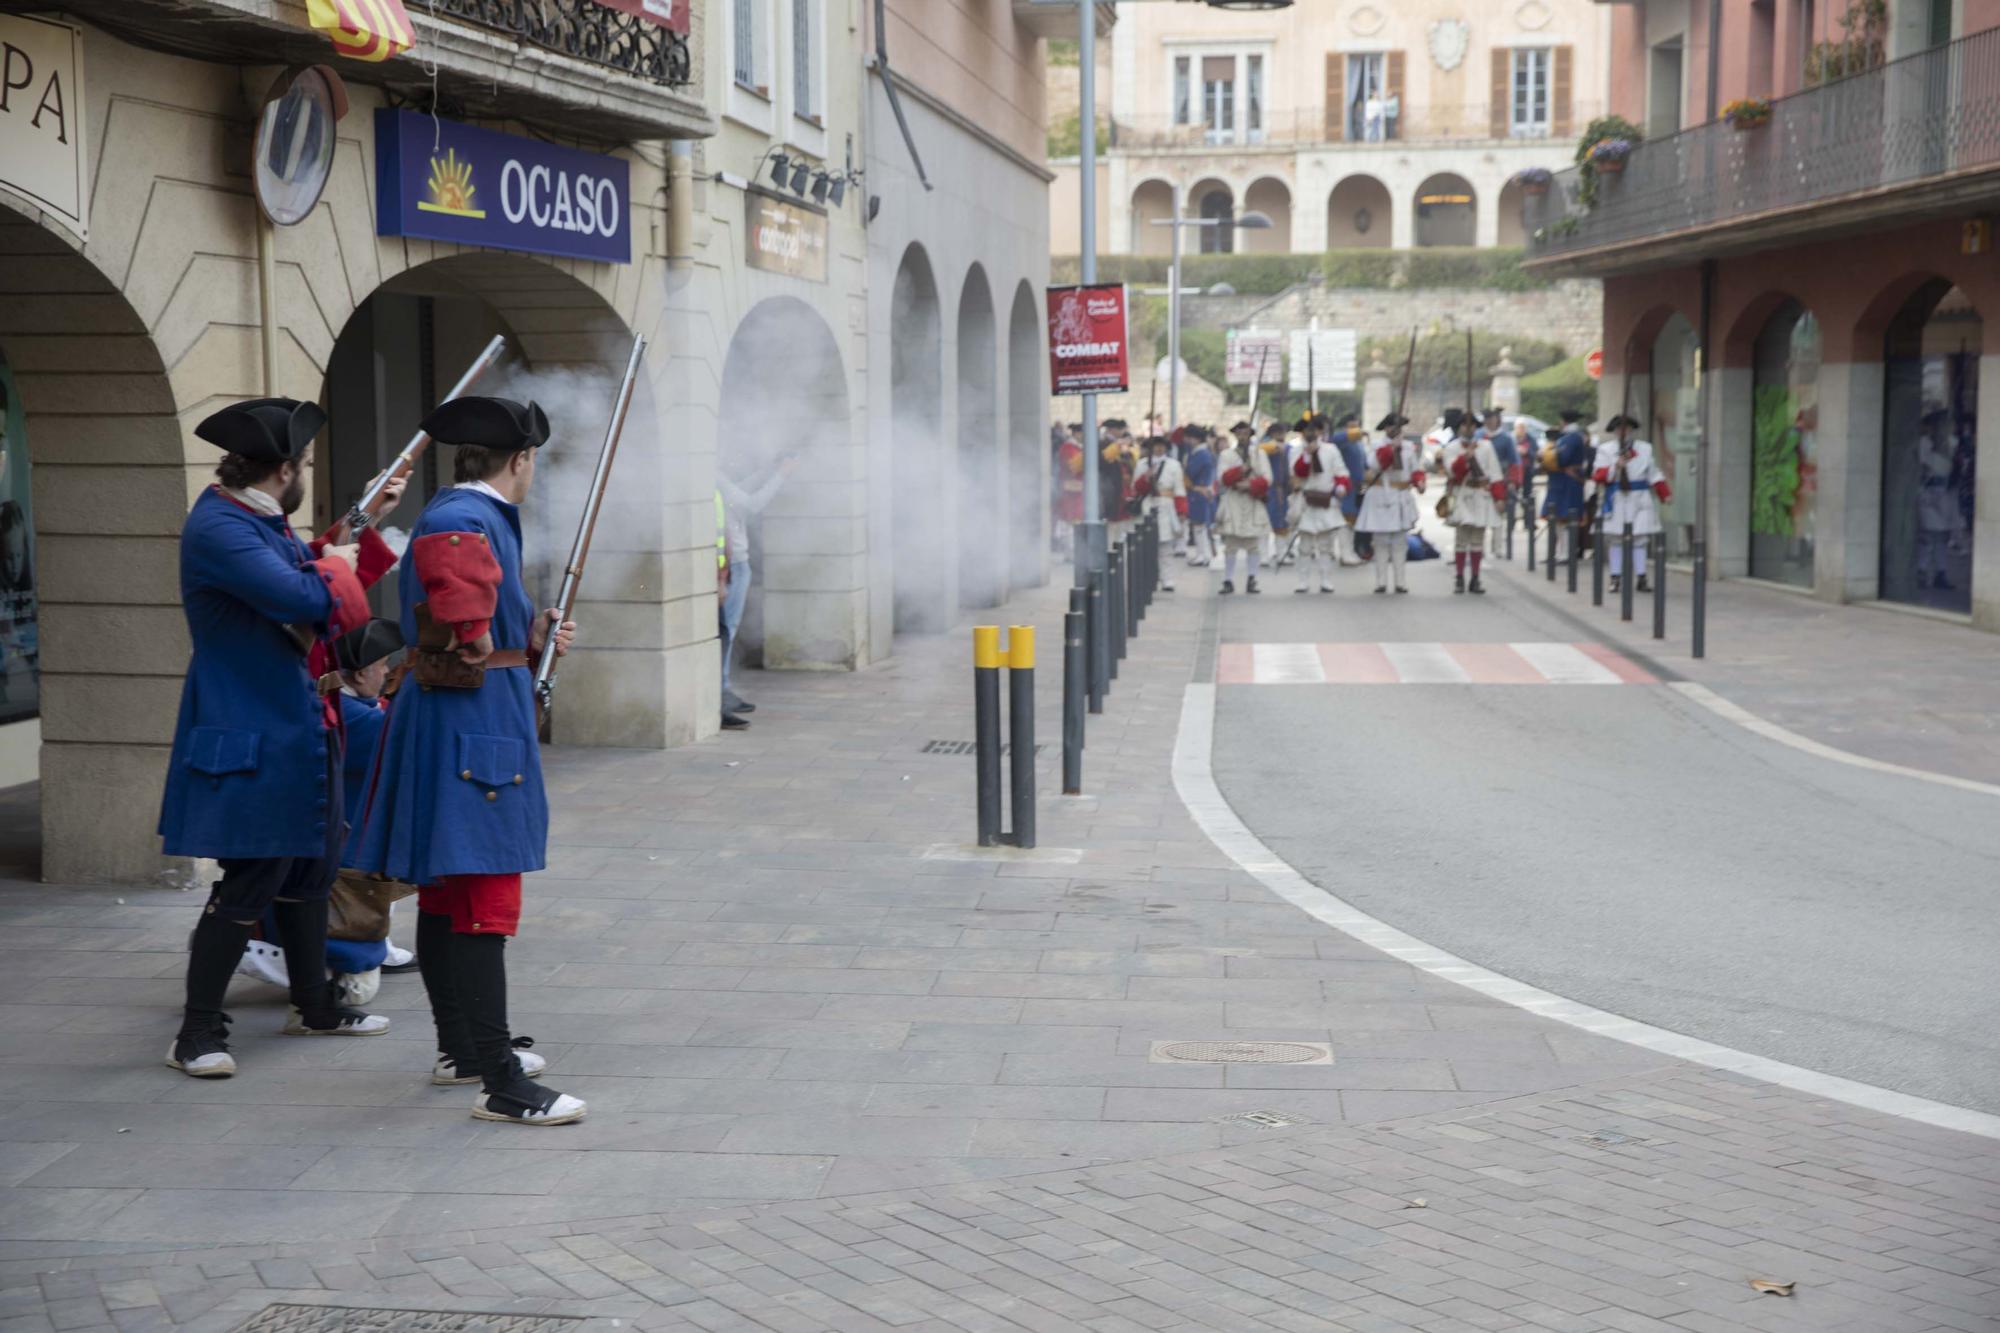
(1930, 365)
(1214, 200)
(1152, 201)
(1447, 211)
(1357, 214)
(1512, 231)
(1784, 448)
(982, 557)
(91, 414)
(397, 356)
(1272, 198)
(923, 546)
(1674, 426)
(783, 440)
(1028, 500)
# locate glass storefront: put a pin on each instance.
(1784, 428)
(1675, 426)
(20, 642)
(1931, 402)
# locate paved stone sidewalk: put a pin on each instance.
(846, 1073)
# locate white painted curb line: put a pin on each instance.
(1194, 780)
(1749, 721)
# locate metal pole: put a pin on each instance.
(1097, 644)
(1658, 541)
(1090, 549)
(1575, 549)
(1135, 587)
(1142, 586)
(986, 661)
(1626, 580)
(1698, 611)
(1596, 560)
(1021, 730)
(1174, 321)
(1075, 667)
(1114, 604)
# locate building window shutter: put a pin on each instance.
(1392, 88)
(1502, 93)
(1336, 96)
(1563, 114)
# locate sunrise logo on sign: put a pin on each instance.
(450, 188)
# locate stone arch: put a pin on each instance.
(398, 353)
(981, 483)
(1151, 200)
(1447, 211)
(924, 552)
(1358, 213)
(1273, 198)
(1931, 349)
(1742, 330)
(1027, 451)
(113, 464)
(1212, 198)
(784, 366)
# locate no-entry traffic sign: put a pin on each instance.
(1593, 365)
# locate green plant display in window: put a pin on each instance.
(1862, 44)
(1774, 461)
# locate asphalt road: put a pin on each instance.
(1620, 846)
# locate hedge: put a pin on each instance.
(1547, 392)
(1495, 268)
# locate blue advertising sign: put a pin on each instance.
(439, 180)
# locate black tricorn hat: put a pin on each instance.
(1569, 414)
(1242, 425)
(1392, 421)
(266, 430)
(489, 423)
(1622, 419)
(1452, 417)
(1349, 419)
(1305, 423)
(369, 644)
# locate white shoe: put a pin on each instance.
(397, 956)
(355, 989)
(264, 961)
(348, 1023)
(445, 1073)
(204, 1053)
(559, 1109)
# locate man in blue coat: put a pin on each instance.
(1562, 501)
(1352, 441)
(254, 779)
(458, 807)
(1198, 473)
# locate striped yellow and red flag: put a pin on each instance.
(364, 29)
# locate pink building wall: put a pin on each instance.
(975, 57)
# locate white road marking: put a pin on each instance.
(1425, 664)
(1194, 780)
(1566, 664)
(1287, 664)
(1749, 721)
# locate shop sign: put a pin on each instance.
(41, 117)
(666, 13)
(439, 180)
(1087, 347)
(784, 237)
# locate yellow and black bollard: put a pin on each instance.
(1021, 730)
(986, 664)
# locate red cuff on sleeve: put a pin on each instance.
(1384, 456)
(1499, 490)
(1231, 477)
(1302, 468)
(1602, 474)
(347, 600)
(376, 558)
(1416, 478)
(461, 579)
(1341, 485)
(1664, 491)
(1259, 487)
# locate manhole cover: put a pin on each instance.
(1242, 1052)
(360, 1319)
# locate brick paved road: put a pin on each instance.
(780, 980)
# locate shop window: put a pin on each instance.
(1674, 426)
(1930, 365)
(1784, 443)
(20, 638)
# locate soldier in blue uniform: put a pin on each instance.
(1199, 474)
(458, 807)
(254, 779)
(1352, 441)
(1568, 464)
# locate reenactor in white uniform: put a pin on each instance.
(1244, 473)
(1319, 479)
(1476, 485)
(1631, 488)
(1163, 486)
(1389, 493)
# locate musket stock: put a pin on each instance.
(545, 669)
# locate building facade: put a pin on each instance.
(1348, 124)
(1831, 241)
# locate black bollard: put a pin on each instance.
(1142, 586)
(1626, 582)
(1074, 667)
(986, 662)
(1135, 588)
(1114, 609)
(1575, 551)
(1021, 730)
(1097, 645)
(1549, 565)
(1597, 559)
(1658, 542)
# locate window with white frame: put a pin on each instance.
(748, 39)
(1528, 116)
(805, 59)
(1253, 106)
(1218, 97)
(1183, 90)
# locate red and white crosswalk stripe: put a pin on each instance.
(1426, 664)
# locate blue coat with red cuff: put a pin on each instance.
(458, 789)
(247, 777)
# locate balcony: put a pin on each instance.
(1911, 139)
(1385, 126)
(577, 66)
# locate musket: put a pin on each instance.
(545, 670)
(369, 505)
(1263, 357)
(1153, 409)
(1402, 397)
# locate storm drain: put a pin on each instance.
(357, 1319)
(1242, 1053)
(965, 747)
(1265, 1119)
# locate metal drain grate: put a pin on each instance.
(1242, 1053)
(362, 1319)
(1265, 1119)
(965, 747)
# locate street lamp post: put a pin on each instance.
(1252, 221)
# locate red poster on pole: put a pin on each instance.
(1087, 349)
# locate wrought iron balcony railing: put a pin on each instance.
(1374, 124)
(1909, 122)
(586, 30)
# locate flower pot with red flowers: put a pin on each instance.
(1534, 181)
(1748, 113)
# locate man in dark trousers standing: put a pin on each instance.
(255, 776)
(458, 807)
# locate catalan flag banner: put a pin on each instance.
(364, 29)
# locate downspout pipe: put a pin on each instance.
(889, 85)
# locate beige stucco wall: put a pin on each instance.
(975, 56)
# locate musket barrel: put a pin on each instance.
(363, 512)
(545, 669)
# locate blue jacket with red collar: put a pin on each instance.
(248, 773)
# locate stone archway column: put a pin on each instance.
(1986, 510)
(1729, 471)
(1402, 217)
(1847, 538)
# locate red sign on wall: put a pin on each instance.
(1087, 348)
